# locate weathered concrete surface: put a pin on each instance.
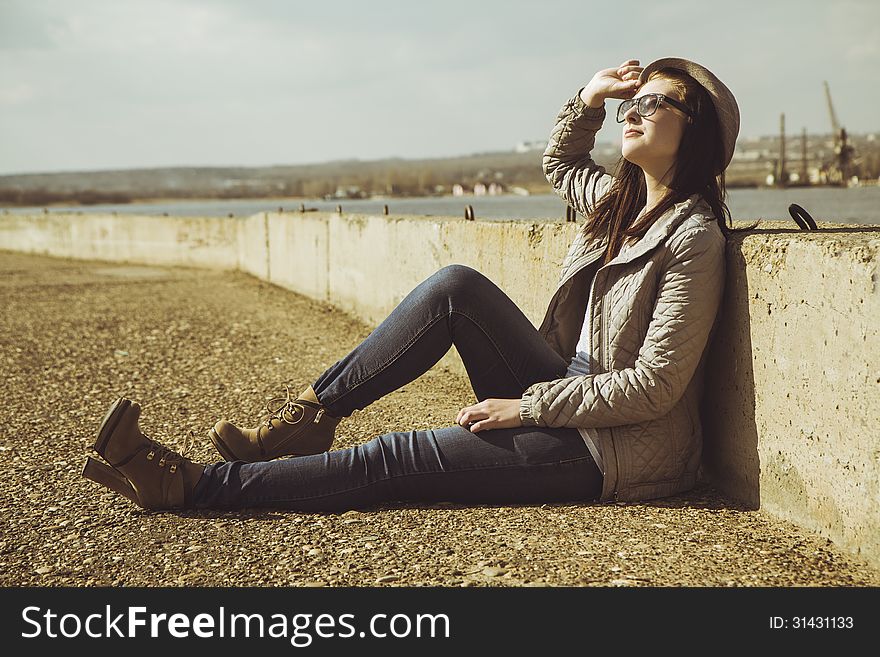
(189, 241)
(299, 253)
(794, 404)
(366, 265)
(792, 399)
(196, 345)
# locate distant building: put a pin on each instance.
(527, 146)
(749, 156)
(349, 192)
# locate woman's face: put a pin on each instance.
(652, 142)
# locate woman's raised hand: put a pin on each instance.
(621, 82)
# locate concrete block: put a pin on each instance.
(210, 242)
(253, 245)
(299, 252)
(792, 405)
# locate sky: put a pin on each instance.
(107, 84)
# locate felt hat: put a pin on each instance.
(725, 104)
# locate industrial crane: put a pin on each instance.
(838, 171)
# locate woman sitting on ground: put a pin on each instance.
(600, 403)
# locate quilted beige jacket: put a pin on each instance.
(653, 313)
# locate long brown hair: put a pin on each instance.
(699, 168)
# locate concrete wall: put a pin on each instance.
(189, 241)
(366, 265)
(793, 409)
(792, 405)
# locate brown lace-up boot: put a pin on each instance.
(145, 471)
(293, 427)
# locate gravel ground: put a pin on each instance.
(195, 346)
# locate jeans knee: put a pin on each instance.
(456, 279)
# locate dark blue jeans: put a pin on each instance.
(503, 354)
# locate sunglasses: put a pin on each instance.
(646, 105)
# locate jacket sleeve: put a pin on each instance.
(567, 163)
(688, 298)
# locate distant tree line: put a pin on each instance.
(395, 177)
(44, 196)
(348, 178)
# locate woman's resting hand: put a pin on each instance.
(491, 414)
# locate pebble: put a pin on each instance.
(621, 582)
(493, 571)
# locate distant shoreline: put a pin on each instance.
(159, 200)
(292, 203)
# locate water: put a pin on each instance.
(859, 205)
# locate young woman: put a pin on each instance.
(601, 402)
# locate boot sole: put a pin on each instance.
(221, 447)
(109, 424)
(103, 474)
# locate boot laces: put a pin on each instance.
(287, 411)
(166, 455)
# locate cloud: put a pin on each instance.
(24, 26)
(228, 81)
(16, 95)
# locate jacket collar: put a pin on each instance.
(659, 230)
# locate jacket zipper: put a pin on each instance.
(603, 354)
